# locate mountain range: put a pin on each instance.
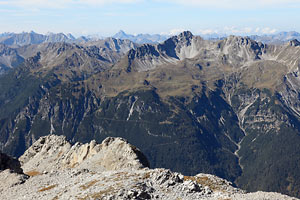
(141, 38)
(278, 38)
(20, 39)
(227, 107)
(28, 38)
(107, 51)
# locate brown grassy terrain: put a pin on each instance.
(33, 173)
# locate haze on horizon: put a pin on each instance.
(106, 17)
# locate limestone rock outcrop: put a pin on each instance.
(53, 152)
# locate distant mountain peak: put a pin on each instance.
(186, 34)
(184, 38)
(121, 35)
(141, 38)
(122, 32)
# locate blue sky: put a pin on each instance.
(106, 17)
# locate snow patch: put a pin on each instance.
(131, 109)
(52, 130)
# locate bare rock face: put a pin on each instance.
(12, 164)
(54, 152)
(294, 43)
(45, 154)
(115, 154)
(9, 58)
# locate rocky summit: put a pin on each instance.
(114, 169)
(54, 152)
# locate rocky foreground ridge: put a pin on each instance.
(52, 168)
